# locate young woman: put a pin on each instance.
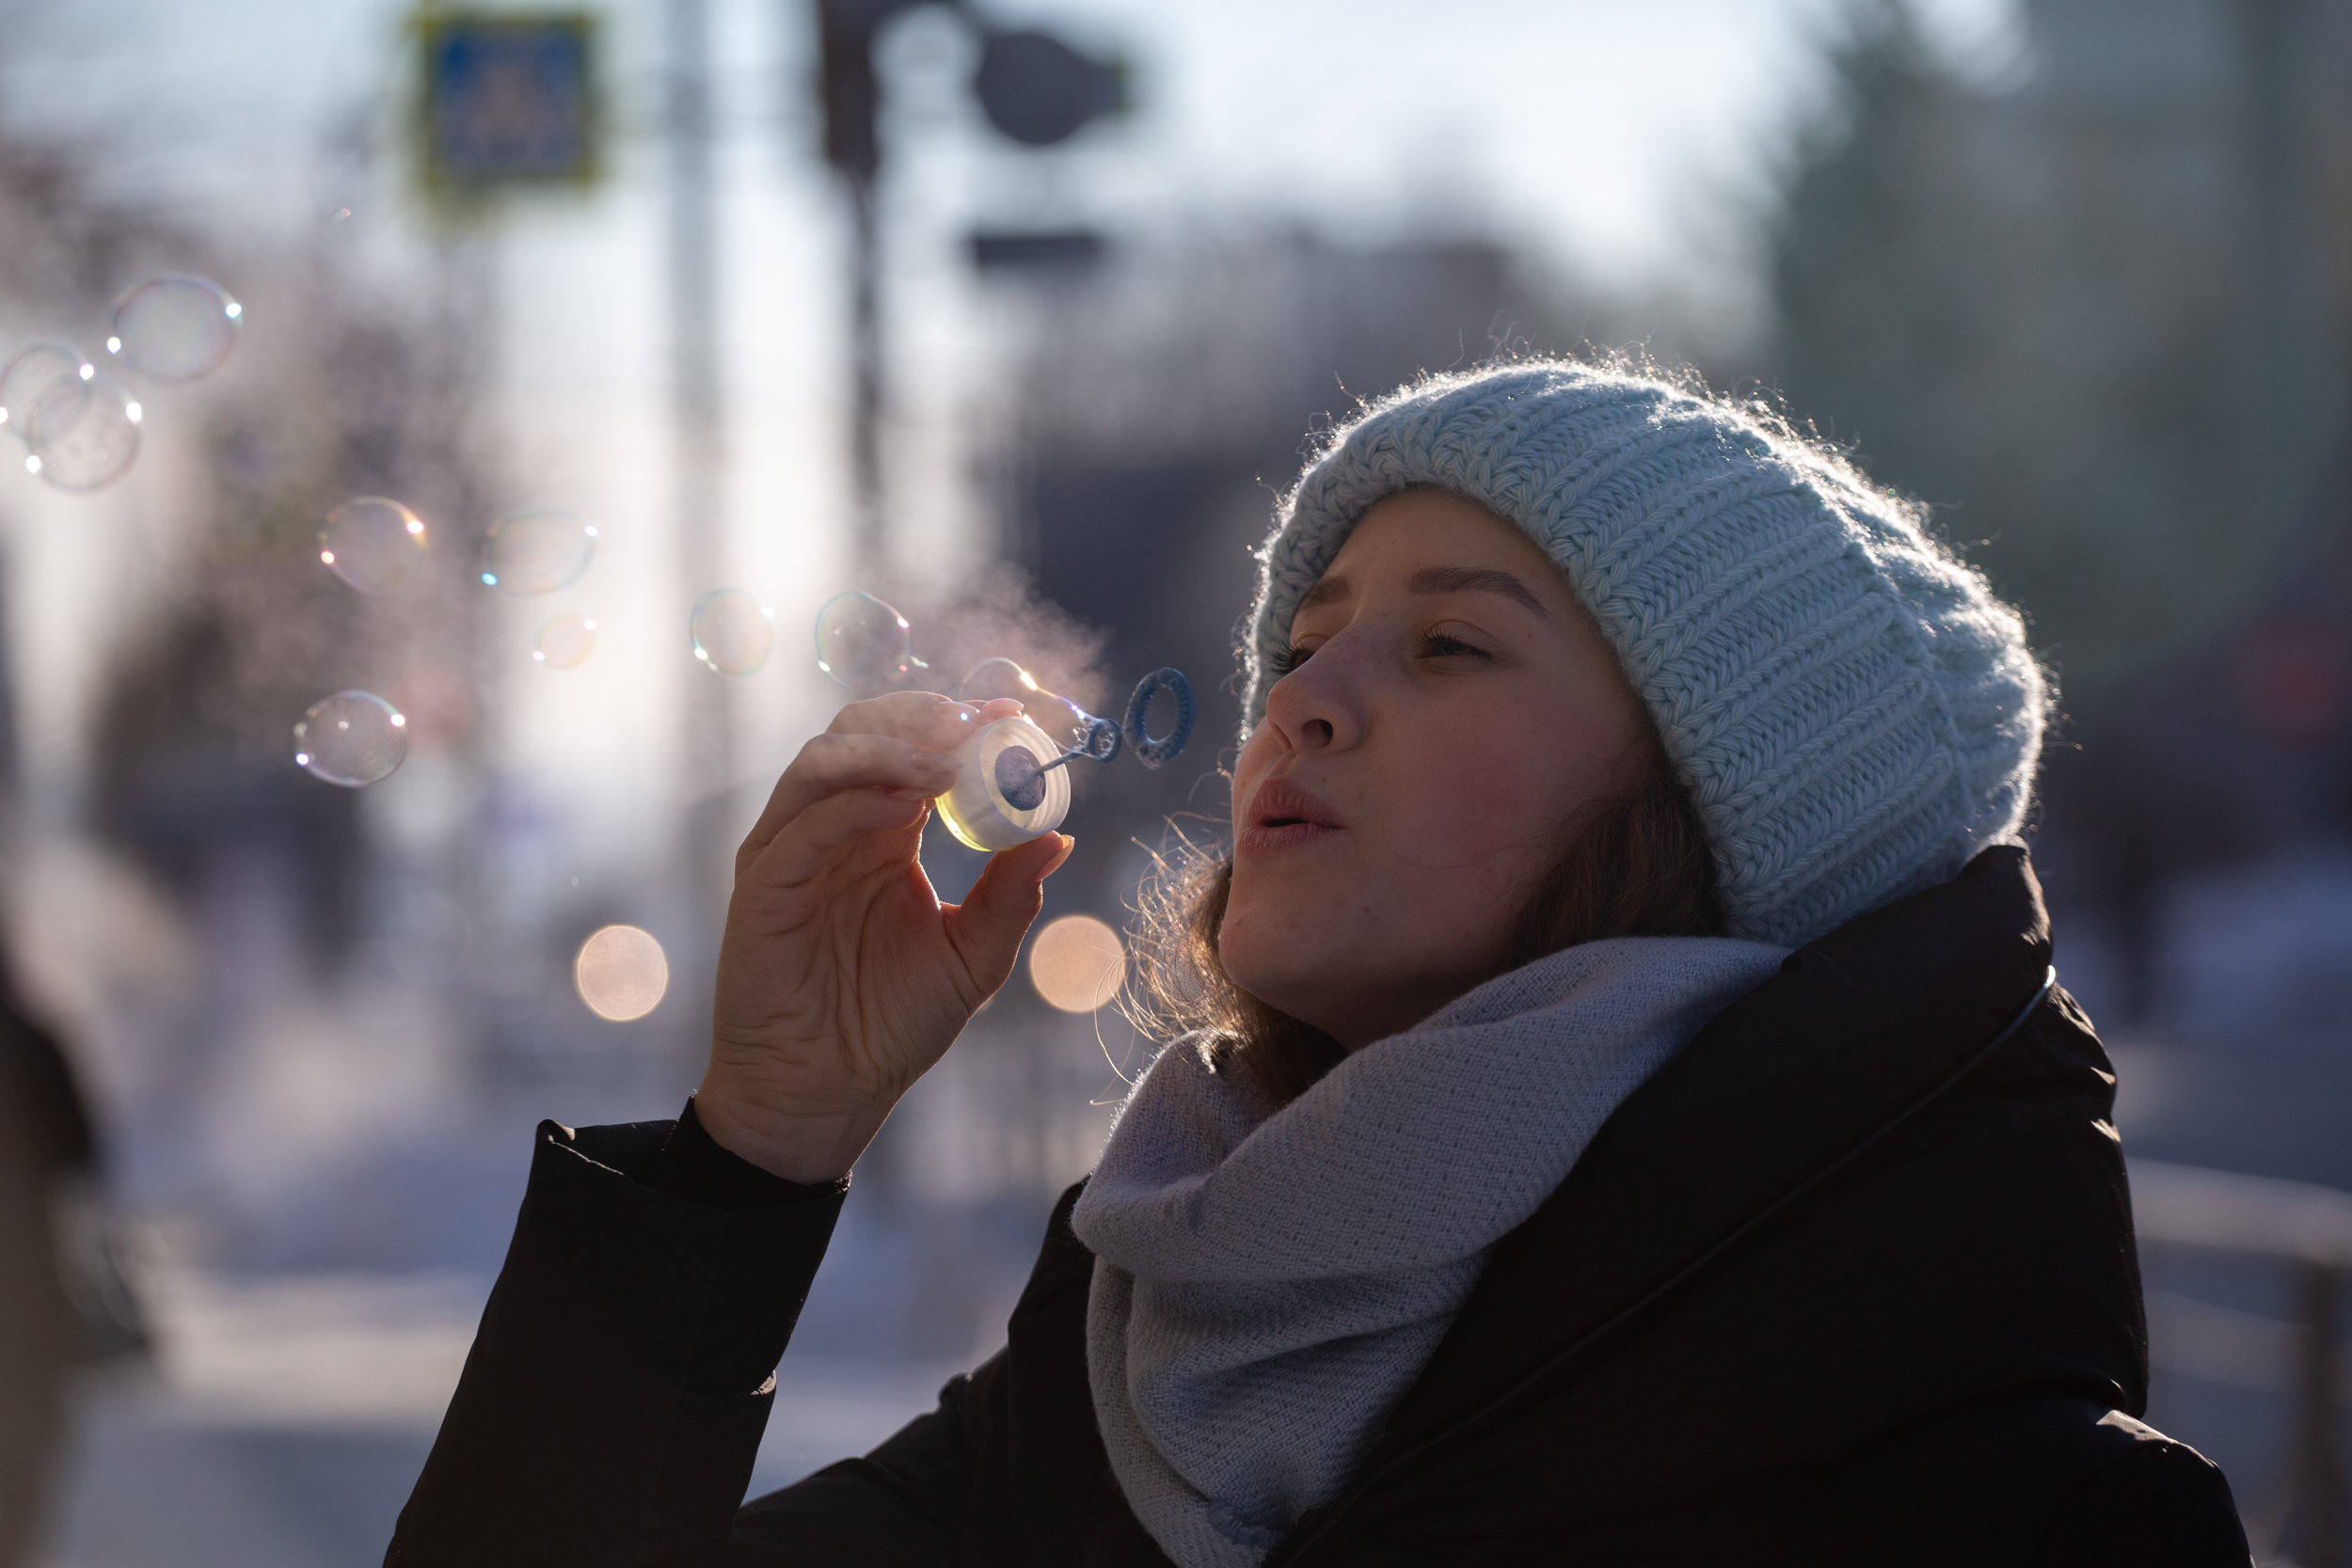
(1626, 1112)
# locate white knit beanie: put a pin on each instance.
(1854, 713)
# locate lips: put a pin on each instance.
(1283, 813)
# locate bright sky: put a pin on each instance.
(1628, 142)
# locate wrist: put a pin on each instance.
(796, 1143)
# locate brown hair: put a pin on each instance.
(1637, 865)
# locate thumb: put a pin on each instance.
(987, 927)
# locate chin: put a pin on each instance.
(1273, 976)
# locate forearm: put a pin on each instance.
(613, 1401)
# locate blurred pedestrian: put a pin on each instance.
(1621, 1108)
(46, 1142)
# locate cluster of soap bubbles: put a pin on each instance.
(376, 545)
(80, 427)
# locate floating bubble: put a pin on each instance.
(564, 642)
(621, 973)
(537, 552)
(733, 632)
(1077, 964)
(997, 677)
(83, 432)
(373, 544)
(864, 643)
(351, 739)
(31, 372)
(1057, 716)
(177, 327)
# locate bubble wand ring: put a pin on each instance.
(1156, 752)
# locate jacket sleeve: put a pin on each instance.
(613, 1401)
(2158, 1503)
(903, 1504)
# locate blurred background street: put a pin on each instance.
(1018, 313)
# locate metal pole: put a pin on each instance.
(698, 456)
(852, 96)
(2282, 300)
(872, 538)
(2315, 1526)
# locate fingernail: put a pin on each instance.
(907, 794)
(938, 762)
(961, 711)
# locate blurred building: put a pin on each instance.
(2097, 318)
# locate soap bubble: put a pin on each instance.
(351, 739)
(537, 552)
(373, 544)
(997, 677)
(84, 433)
(864, 643)
(621, 973)
(31, 372)
(177, 327)
(1077, 964)
(1067, 722)
(733, 632)
(564, 642)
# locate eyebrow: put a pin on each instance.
(1438, 579)
(1474, 580)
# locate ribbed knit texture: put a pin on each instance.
(1854, 713)
(1267, 1285)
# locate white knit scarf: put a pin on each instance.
(1267, 1285)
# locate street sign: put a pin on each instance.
(508, 99)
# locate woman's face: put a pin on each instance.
(1448, 707)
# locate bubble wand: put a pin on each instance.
(1013, 787)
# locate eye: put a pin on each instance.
(1438, 643)
(1290, 658)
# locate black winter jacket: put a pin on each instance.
(1849, 1281)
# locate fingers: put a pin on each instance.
(831, 763)
(925, 718)
(898, 742)
(987, 927)
(801, 849)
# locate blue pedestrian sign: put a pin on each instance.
(509, 97)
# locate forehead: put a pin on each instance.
(1418, 529)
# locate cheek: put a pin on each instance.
(1481, 787)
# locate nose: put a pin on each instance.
(1319, 707)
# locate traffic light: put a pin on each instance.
(1035, 88)
(1038, 90)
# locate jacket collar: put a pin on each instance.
(1850, 1030)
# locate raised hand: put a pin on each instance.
(842, 977)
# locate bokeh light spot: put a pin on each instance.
(621, 973)
(1077, 964)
